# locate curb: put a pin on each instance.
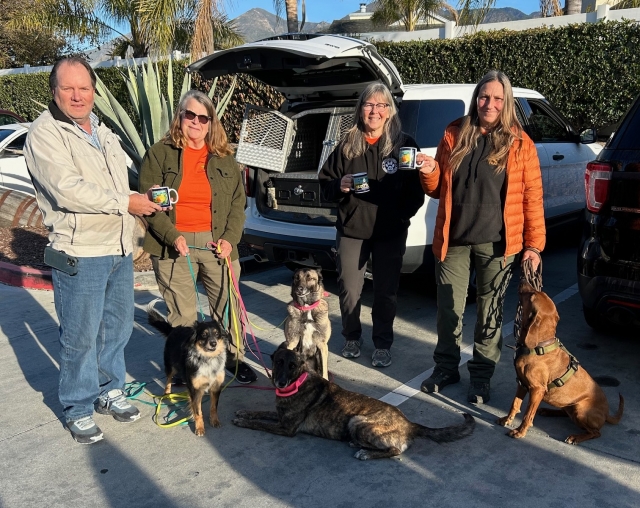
(25, 277)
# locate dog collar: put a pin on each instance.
(306, 307)
(292, 389)
(309, 307)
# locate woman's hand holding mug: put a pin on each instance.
(428, 163)
(346, 183)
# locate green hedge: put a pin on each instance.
(589, 71)
(19, 91)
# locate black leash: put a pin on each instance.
(534, 278)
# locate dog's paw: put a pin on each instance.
(200, 432)
(571, 440)
(352, 444)
(239, 422)
(362, 455)
(215, 423)
(242, 413)
(517, 433)
(504, 421)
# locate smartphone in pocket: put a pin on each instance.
(60, 261)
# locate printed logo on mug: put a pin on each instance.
(360, 183)
(162, 196)
(407, 158)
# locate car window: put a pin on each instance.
(17, 145)
(544, 127)
(5, 133)
(628, 135)
(426, 120)
(7, 119)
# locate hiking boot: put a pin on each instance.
(381, 358)
(438, 380)
(245, 374)
(351, 349)
(115, 403)
(478, 392)
(85, 430)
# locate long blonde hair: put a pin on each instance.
(505, 133)
(216, 138)
(355, 143)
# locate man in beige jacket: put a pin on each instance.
(80, 175)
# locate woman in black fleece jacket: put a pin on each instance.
(375, 223)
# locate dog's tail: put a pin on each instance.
(614, 419)
(447, 434)
(157, 320)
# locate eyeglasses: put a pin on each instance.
(190, 115)
(368, 106)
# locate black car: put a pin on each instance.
(609, 255)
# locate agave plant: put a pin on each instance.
(154, 109)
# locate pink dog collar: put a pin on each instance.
(292, 389)
(309, 307)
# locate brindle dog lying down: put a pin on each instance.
(305, 402)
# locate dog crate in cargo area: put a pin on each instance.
(275, 142)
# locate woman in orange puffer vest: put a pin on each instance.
(487, 176)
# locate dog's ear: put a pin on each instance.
(319, 272)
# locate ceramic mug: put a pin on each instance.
(360, 183)
(162, 196)
(407, 158)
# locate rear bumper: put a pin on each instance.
(320, 253)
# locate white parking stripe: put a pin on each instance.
(411, 387)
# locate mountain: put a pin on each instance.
(503, 14)
(256, 24)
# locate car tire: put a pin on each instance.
(594, 320)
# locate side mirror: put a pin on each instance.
(588, 136)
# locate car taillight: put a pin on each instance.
(247, 177)
(596, 183)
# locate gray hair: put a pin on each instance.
(355, 143)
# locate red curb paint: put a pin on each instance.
(22, 276)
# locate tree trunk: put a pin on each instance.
(292, 15)
(573, 7)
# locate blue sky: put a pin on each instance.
(328, 10)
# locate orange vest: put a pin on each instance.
(193, 210)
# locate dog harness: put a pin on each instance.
(543, 348)
(292, 389)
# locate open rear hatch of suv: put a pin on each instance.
(321, 77)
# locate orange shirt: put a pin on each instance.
(371, 141)
(193, 210)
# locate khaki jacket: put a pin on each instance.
(83, 192)
(162, 165)
(523, 209)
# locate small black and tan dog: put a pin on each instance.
(198, 355)
(307, 403)
(307, 328)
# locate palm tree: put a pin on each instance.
(550, 8)
(573, 7)
(153, 24)
(291, 10)
(409, 12)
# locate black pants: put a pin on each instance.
(386, 256)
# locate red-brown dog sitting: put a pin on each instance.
(549, 373)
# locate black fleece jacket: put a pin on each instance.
(384, 211)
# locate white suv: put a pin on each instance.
(321, 77)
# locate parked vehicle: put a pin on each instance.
(8, 117)
(609, 255)
(13, 168)
(321, 77)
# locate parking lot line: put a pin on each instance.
(412, 387)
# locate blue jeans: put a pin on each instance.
(95, 311)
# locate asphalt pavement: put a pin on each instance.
(142, 464)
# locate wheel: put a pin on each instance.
(594, 320)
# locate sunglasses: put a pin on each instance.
(190, 115)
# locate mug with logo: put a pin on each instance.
(360, 183)
(162, 196)
(407, 158)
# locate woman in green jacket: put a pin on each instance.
(195, 159)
